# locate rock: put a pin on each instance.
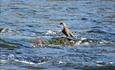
(7, 45)
(3, 30)
(38, 42)
(4, 44)
(53, 41)
(61, 41)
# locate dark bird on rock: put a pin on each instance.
(66, 30)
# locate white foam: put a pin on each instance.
(3, 61)
(26, 62)
(50, 32)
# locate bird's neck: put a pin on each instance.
(64, 25)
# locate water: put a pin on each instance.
(93, 20)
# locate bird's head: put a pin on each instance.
(62, 23)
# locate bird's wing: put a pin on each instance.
(65, 31)
(71, 34)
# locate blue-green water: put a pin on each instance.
(93, 20)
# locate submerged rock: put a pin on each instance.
(38, 41)
(4, 44)
(3, 30)
(98, 68)
(54, 41)
(7, 45)
(62, 41)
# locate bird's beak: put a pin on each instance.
(61, 23)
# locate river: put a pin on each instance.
(93, 20)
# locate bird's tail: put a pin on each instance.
(71, 38)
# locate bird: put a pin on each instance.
(66, 30)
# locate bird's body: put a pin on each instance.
(66, 30)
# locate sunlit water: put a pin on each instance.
(28, 19)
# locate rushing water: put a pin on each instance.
(93, 20)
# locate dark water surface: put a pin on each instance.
(88, 19)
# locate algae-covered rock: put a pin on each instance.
(3, 30)
(99, 68)
(54, 41)
(61, 41)
(4, 44)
